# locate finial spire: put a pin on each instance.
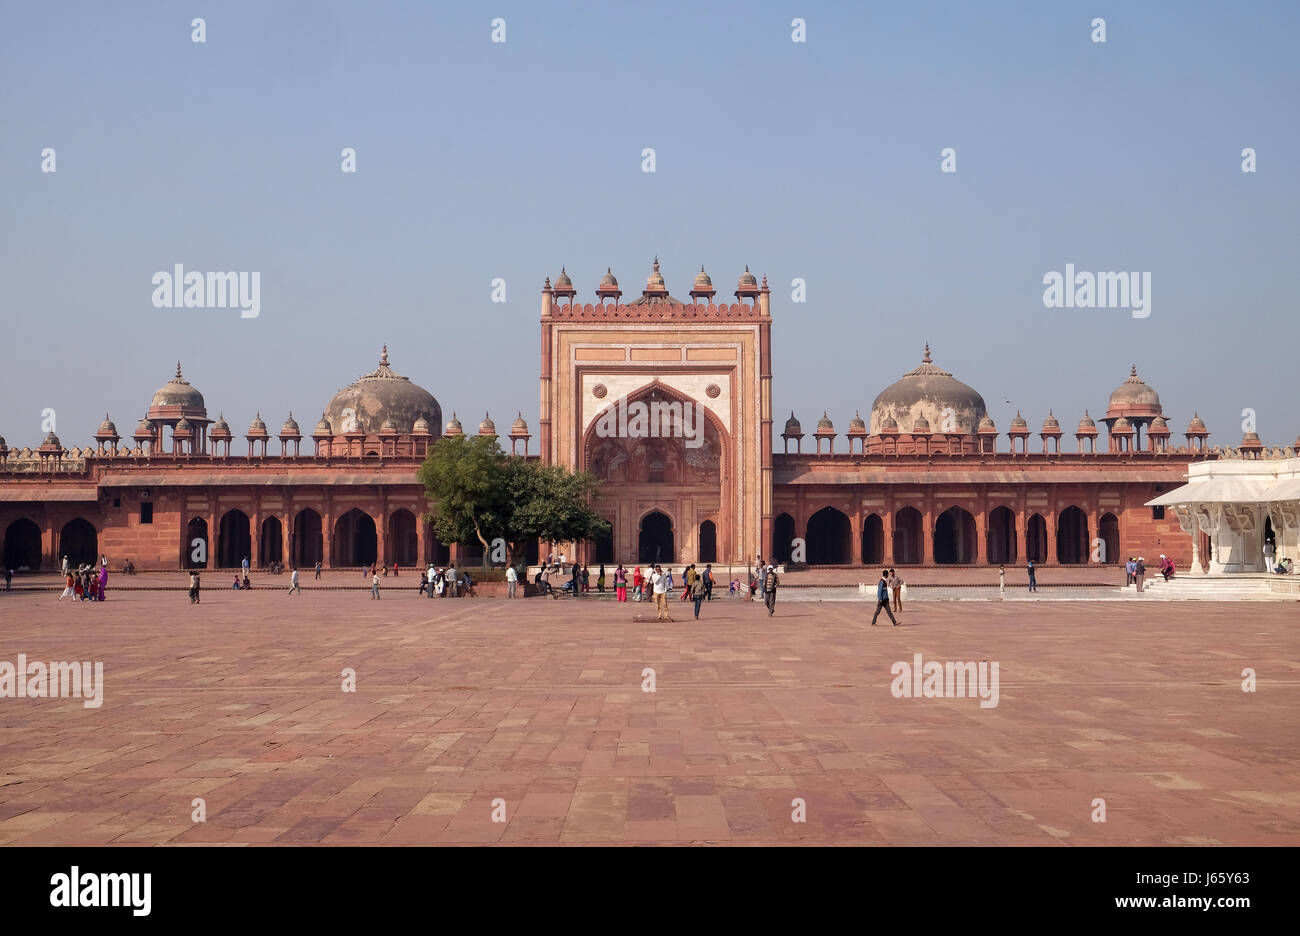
(1133, 371)
(926, 359)
(383, 357)
(178, 370)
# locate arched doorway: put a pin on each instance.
(356, 542)
(829, 534)
(782, 538)
(22, 545)
(79, 542)
(1001, 537)
(708, 541)
(1108, 533)
(270, 542)
(655, 541)
(1036, 539)
(908, 541)
(195, 550)
(1072, 536)
(954, 537)
(234, 541)
(873, 540)
(439, 554)
(605, 544)
(404, 546)
(308, 542)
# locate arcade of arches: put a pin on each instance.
(955, 535)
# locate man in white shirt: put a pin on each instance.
(512, 577)
(660, 583)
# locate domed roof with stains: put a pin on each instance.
(364, 404)
(928, 392)
(178, 392)
(1134, 397)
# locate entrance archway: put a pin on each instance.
(270, 542)
(22, 545)
(708, 541)
(308, 542)
(1001, 537)
(605, 544)
(829, 533)
(403, 539)
(1108, 533)
(355, 542)
(1072, 536)
(873, 540)
(655, 541)
(954, 537)
(1036, 539)
(234, 541)
(782, 538)
(908, 541)
(194, 552)
(439, 554)
(79, 542)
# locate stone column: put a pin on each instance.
(887, 531)
(927, 530)
(255, 546)
(213, 531)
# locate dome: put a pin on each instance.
(106, 428)
(454, 427)
(51, 441)
(1195, 424)
(1160, 425)
(702, 280)
(1019, 423)
(928, 391)
(290, 427)
(177, 392)
(363, 405)
(257, 427)
(986, 425)
(220, 429)
(792, 426)
(656, 279)
(182, 427)
(1121, 426)
(824, 424)
(1133, 398)
(389, 427)
(1087, 423)
(608, 281)
(323, 427)
(487, 426)
(562, 281)
(144, 430)
(856, 424)
(889, 424)
(1251, 441)
(421, 427)
(747, 278)
(519, 427)
(921, 426)
(1051, 423)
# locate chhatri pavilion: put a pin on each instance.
(925, 479)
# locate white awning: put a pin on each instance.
(1214, 491)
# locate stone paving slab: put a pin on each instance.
(532, 711)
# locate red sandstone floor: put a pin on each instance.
(538, 703)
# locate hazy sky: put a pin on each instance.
(818, 160)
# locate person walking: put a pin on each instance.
(697, 594)
(65, 565)
(194, 587)
(620, 583)
(896, 589)
(318, 570)
(638, 584)
(770, 583)
(293, 582)
(600, 579)
(660, 582)
(1140, 572)
(708, 582)
(68, 591)
(9, 578)
(882, 598)
(374, 585)
(512, 579)
(1033, 576)
(103, 580)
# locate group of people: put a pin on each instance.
(442, 583)
(84, 583)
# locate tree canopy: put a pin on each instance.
(482, 495)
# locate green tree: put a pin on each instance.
(482, 494)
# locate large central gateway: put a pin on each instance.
(691, 481)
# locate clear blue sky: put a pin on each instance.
(818, 160)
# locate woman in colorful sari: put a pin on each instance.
(103, 580)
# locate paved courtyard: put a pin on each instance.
(533, 712)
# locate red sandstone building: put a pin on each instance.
(928, 479)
